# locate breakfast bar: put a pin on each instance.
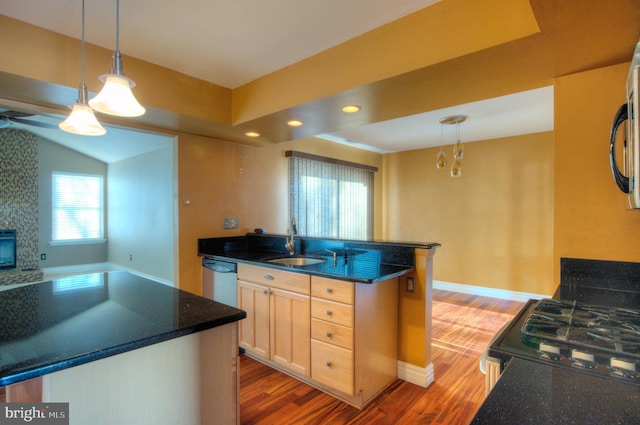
(119, 347)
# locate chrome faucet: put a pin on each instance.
(335, 256)
(291, 242)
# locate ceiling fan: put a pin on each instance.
(9, 117)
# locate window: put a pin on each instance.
(330, 198)
(78, 213)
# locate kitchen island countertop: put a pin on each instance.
(59, 324)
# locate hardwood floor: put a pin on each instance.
(462, 327)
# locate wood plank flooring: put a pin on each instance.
(462, 327)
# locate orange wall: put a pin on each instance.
(591, 218)
(494, 223)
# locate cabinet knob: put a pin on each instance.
(268, 277)
(329, 335)
(329, 313)
(329, 291)
(329, 364)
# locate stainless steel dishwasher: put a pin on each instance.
(219, 281)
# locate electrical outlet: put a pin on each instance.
(411, 284)
(230, 223)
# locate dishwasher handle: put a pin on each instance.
(219, 266)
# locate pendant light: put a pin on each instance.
(441, 158)
(82, 119)
(458, 149)
(116, 97)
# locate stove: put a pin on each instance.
(591, 325)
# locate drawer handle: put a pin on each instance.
(329, 291)
(329, 364)
(329, 335)
(268, 277)
(329, 312)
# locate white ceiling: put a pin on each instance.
(233, 42)
(520, 113)
(226, 42)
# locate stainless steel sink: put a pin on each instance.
(298, 261)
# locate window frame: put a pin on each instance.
(341, 173)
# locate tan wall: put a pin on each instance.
(210, 177)
(591, 217)
(494, 222)
(224, 179)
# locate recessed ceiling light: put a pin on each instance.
(252, 134)
(294, 123)
(350, 109)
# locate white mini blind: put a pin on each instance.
(330, 198)
(78, 207)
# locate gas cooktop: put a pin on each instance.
(600, 340)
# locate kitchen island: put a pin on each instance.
(348, 317)
(120, 348)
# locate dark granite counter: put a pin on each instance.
(59, 324)
(356, 261)
(533, 393)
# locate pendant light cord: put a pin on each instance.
(117, 25)
(82, 43)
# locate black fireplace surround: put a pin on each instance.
(7, 249)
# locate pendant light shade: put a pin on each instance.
(116, 97)
(82, 119)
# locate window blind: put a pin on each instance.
(330, 198)
(77, 203)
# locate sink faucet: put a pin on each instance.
(291, 243)
(335, 256)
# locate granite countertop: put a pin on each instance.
(356, 261)
(532, 393)
(350, 269)
(66, 322)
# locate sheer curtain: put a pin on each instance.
(330, 198)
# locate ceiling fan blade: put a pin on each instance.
(34, 123)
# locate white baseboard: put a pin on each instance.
(502, 294)
(51, 273)
(422, 376)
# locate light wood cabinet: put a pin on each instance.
(277, 327)
(339, 336)
(354, 337)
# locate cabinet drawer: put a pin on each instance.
(331, 333)
(289, 281)
(333, 312)
(331, 289)
(332, 366)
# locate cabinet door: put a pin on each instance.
(290, 331)
(254, 330)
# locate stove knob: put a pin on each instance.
(623, 365)
(582, 359)
(549, 351)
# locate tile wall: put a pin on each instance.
(19, 201)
